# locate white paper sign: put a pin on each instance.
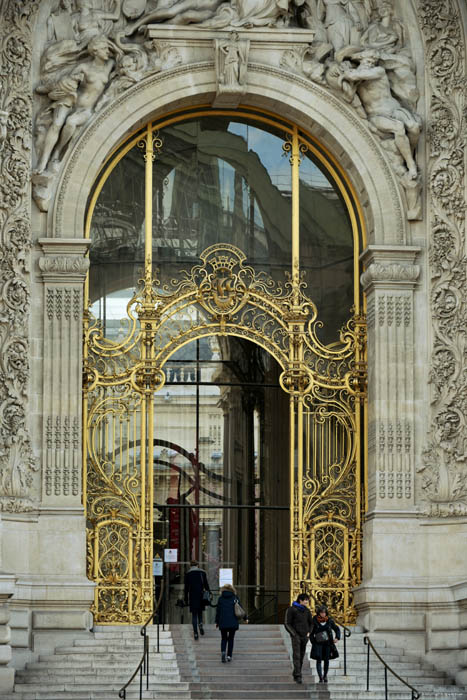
(157, 567)
(225, 576)
(170, 555)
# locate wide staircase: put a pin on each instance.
(98, 666)
(261, 669)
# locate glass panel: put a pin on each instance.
(222, 444)
(218, 180)
(117, 242)
(326, 248)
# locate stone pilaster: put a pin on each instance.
(389, 281)
(63, 269)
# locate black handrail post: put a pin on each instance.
(345, 653)
(385, 683)
(277, 609)
(367, 666)
(157, 632)
(141, 683)
(147, 664)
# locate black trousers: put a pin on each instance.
(227, 642)
(196, 619)
(298, 649)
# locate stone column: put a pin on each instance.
(63, 269)
(54, 586)
(392, 542)
(389, 281)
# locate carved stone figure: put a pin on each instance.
(387, 36)
(231, 70)
(74, 97)
(342, 22)
(385, 114)
(364, 10)
(179, 12)
(89, 22)
(232, 56)
(59, 24)
(252, 13)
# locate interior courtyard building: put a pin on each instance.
(233, 314)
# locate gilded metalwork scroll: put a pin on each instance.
(325, 383)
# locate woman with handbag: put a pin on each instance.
(228, 613)
(197, 595)
(323, 645)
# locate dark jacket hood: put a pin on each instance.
(227, 594)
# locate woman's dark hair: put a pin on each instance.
(321, 609)
(302, 596)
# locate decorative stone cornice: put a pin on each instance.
(388, 267)
(63, 259)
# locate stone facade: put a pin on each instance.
(54, 137)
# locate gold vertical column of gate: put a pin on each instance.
(118, 443)
(327, 391)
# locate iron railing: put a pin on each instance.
(367, 641)
(143, 666)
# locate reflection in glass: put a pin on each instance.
(326, 248)
(216, 181)
(117, 241)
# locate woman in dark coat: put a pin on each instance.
(196, 583)
(322, 642)
(226, 620)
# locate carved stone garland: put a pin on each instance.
(18, 469)
(443, 470)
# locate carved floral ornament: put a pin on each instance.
(97, 49)
(18, 468)
(442, 471)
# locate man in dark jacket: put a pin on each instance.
(298, 623)
(196, 582)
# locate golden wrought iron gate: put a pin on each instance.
(325, 383)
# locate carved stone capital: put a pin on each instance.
(389, 267)
(64, 265)
(64, 260)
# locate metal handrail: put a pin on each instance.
(368, 642)
(143, 666)
(272, 599)
(140, 668)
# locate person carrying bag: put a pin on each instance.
(228, 613)
(323, 641)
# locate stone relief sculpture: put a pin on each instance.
(442, 470)
(231, 70)
(19, 479)
(359, 52)
(85, 64)
(385, 113)
(364, 58)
